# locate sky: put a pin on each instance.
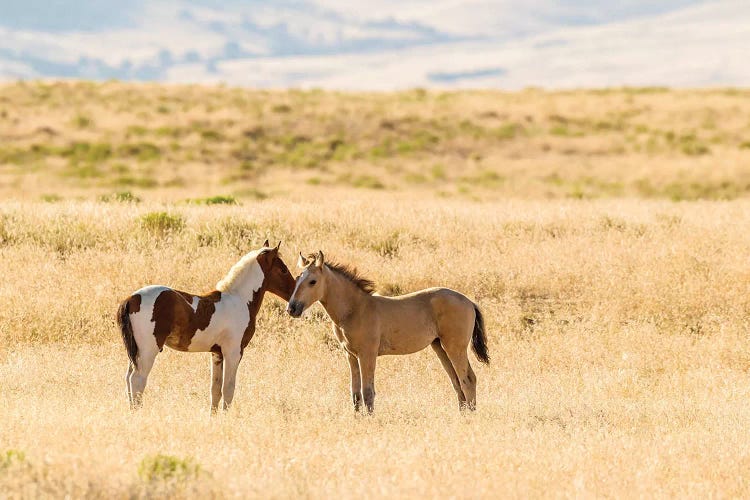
(382, 44)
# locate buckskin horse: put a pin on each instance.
(221, 322)
(369, 325)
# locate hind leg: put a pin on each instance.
(217, 377)
(448, 367)
(128, 391)
(466, 377)
(139, 377)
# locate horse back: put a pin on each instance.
(428, 306)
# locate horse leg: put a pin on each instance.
(128, 391)
(466, 377)
(231, 362)
(448, 367)
(367, 374)
(217, 377)
(356, 381)
(139, 377)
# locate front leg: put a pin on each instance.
(231, 362)
(356, 381)
(367, 372)
(217, 377)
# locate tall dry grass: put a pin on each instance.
(617, 330)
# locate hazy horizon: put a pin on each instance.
(381, 45)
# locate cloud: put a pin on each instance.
(390, 44)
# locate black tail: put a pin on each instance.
(478, 338)
(123, 319)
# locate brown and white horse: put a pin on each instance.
(221, 322)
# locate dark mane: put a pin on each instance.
(352, 275)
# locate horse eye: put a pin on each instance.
(312, 282)
(284, 271)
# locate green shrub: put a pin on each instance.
(438, 172)
(211, 135)
(82, 121)
(12, 458)
(51, 198)
(367, 181)
(85, 171)
(162, 222)
(122, 197)
(143, 151)
(215, 200)
(86, 152)
(507, 131)
(281, 108)
(166, 467)
(138, 130)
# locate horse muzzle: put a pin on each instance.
(295, 309)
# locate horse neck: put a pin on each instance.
(250, 286)
(341, 297)
(254, 302)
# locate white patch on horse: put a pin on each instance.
(300, 279)
(229, 319)
(142, 321)
(245, 278)
(194, 304)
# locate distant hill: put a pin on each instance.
(380, 45)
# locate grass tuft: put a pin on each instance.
(167, 468)
(162, 222)
(12, 458)
(120, 196)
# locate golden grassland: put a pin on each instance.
(616, 316)
(63, 139)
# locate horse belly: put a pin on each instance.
(403, 340)
(203, 341)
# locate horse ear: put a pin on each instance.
(265, 243)
(319, 259)
(278, 245)
(302, 262)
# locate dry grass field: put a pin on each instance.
(604, 234)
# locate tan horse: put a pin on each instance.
(221, 322)
(369, 325)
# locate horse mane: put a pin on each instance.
(237, 271)
(350, 273)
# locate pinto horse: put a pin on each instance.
(369, 325)
(221, 322)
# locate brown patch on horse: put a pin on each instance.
(175, 322)
(351, 273)
(134, 303)
(205, 310)
(252, 308)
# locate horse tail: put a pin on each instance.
(479, 338)
(126, 328)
